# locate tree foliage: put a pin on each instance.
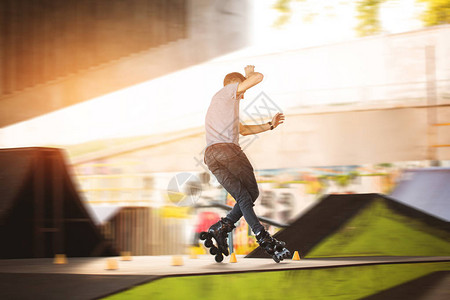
(437, 13)
(368, 12)
(282, 6)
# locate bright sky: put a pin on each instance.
(131, 111)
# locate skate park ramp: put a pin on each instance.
(427, 190)
(41, 213)
(364, 225)
(155, 277)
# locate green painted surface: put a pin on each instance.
(381, 232)
(330, 283)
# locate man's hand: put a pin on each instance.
(249, 70)
(277, 120)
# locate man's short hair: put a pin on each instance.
(232, 78)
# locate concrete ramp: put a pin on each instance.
(427, 190)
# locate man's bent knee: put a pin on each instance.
(255, 195)
(246, 203)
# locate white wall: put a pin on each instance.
(312, 139)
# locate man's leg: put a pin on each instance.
(247, 178)
(233, 171)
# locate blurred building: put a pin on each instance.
(58, 53)
(374, 100)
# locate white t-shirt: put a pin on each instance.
(222, 118)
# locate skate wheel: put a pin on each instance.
(219, 258)
(276, 259)
(208, 243)
(213, 250)
(203, 235)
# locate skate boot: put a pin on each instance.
(218, 232)
(272, 246)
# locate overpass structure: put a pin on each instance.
(56, 54)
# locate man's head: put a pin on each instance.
(232, 78)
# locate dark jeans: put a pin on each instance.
(230, 166)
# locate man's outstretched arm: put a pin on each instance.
(252, 78)
(254, 129)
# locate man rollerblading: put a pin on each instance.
(229, 164)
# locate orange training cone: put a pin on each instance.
(177, 260)
(111, 264)
(60, 259)
(233, 258)
(296, 256)
(125, 256)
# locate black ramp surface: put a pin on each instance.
(319, 222)
(65, 286)
(15, 168)
(41, 213)
(334, 211)
(427, 190)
